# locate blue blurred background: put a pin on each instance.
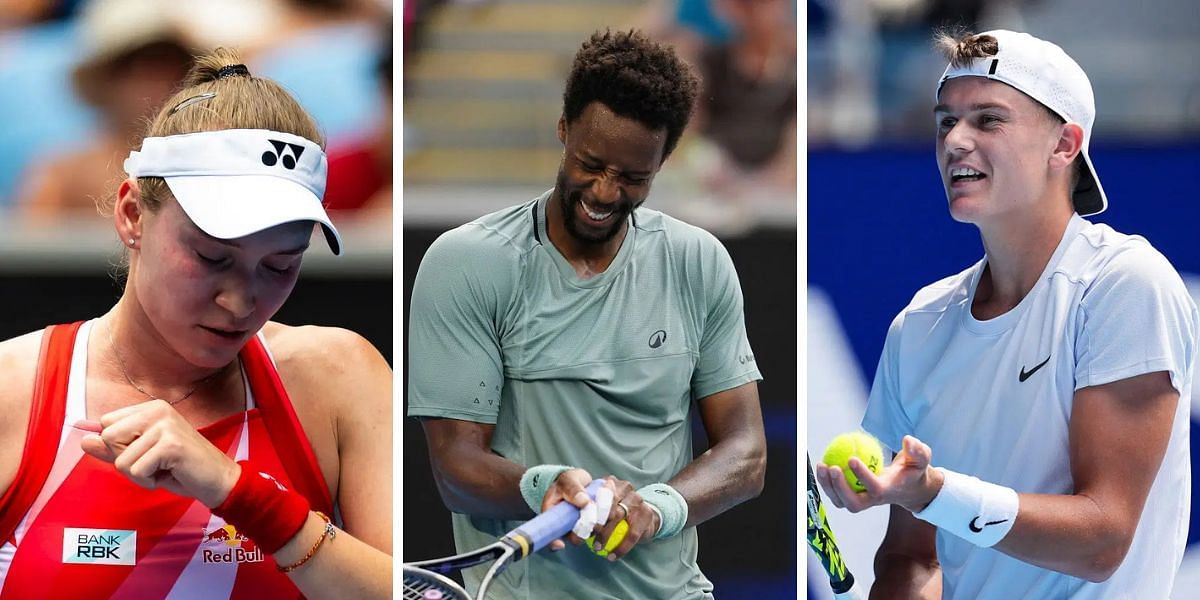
(878, 227)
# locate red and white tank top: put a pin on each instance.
(73, 527)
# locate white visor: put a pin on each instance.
(235, 182)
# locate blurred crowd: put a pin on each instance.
(79, 79)
(872, 67)
(738, 154)
(744, 131)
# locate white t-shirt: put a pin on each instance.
(993, 398)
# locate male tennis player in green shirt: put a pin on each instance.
(567, 338)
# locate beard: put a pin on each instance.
(584, 232)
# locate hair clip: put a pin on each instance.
(193, 100)
(232, 70)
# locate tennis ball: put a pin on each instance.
(859, 444)
(614, 540)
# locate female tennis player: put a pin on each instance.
(181, 444)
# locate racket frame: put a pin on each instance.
(816, 514)
(425, 575)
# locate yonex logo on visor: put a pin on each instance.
(289, 161)
(235, 182)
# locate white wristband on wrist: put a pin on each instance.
(977, 511)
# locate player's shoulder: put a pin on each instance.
(660, 223)
(944, 293)
(1100, 253)
(18, 368)
(514, 227)
(329, 351)
(705, 265)
(488, 241)
(18, 363)
(683, 240)
(325, 364)
(931, 301)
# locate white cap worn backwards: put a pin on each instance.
(1044, 72)
(235, 182)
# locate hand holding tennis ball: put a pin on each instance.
(910, 481)
(859, 444)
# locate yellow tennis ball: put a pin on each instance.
(859, 444)
(614, 540)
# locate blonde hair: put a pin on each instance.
(961, 47)
(238, 100)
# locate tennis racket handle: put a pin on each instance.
(854, 593)
(554, 523)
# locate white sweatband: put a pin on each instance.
(537, 481)
(672, 509)
(977, 511)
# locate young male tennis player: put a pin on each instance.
(1049, 382)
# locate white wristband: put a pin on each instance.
(977, 511)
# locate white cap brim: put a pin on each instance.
(259, 201)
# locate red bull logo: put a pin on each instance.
(228, 534)
(232, 546)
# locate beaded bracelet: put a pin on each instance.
(329, 532)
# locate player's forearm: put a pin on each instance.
(1070, 534)
(471, 478)
(482, 484)
(343, 567)
(903, 577)
(729, 473)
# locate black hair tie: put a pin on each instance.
(232, 70)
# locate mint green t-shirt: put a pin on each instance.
(597, 373)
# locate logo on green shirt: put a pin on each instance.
(658, 338)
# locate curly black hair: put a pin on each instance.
(635, 78)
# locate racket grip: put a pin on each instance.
(554, 523)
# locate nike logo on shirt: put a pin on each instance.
(1027, 374)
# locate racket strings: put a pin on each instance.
(425, 585)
